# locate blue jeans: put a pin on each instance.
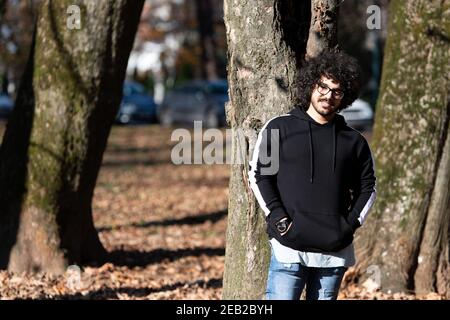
(287, 280)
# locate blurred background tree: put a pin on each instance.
(16, 30)
(365, 44)
(177, 41)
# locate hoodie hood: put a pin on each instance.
(337, 122)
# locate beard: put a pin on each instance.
(325, 107)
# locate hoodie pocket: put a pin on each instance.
(318, 232)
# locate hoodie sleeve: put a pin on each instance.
(364, 190)
(263, 172)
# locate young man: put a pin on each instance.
(324, 186)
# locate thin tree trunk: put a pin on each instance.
(406, 235)
(323, 29)
(208, 63)
(55, 142)
(3, 6)
(266, 41)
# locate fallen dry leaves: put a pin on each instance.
(163, 224)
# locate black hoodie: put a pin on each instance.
(325, 180)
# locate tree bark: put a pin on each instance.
(407, 234)
(266, 42)
(433, 271)
(53, 146)
(323, 29)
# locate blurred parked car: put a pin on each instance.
(136, 105)
(196, 100)
(6, 105)
(359, 115)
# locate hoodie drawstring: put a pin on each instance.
(311, 151)
(334, 145)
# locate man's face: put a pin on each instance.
(326, 103)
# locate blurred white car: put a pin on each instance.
(359, 115)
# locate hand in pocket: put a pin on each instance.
(283, 225)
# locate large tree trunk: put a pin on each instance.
(407, 234)
(266, 42)
(53, 146)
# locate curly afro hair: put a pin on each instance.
(338, 66)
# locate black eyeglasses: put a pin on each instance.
(323, 89)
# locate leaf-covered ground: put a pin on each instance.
(163, 224)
